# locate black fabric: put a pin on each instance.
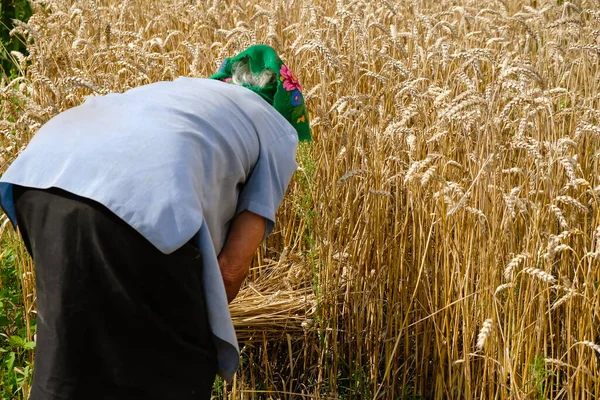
(117, 319)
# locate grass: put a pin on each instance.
(442, 239)
(16, 346)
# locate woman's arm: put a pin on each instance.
(245, 235)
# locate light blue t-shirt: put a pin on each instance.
(171, 159)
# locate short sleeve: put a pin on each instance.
(263, 191)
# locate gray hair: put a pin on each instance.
(242, 75)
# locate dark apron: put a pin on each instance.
(117, 319)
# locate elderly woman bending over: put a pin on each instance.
(142, 211)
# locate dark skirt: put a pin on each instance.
(117, 319)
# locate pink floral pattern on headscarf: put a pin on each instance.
(290, 82)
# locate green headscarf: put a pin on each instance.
(285, 95)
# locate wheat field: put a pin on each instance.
(441, 238)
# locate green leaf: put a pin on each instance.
(10, 361)
(22, 331)
(29, 345)
(4, 321)
(16, 341)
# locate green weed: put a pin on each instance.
(16, 352)
(9, 11)
(540, 377)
